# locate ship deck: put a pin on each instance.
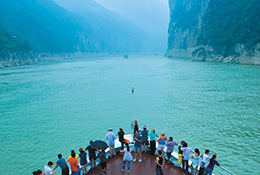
(147, 166)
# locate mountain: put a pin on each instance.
(10, 42)
(151, 15)
(113, 29)
(47, 27)
(215, 30)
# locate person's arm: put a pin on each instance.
(54, 171)
(163, 162)
(158, 139)
(217, 163)
(56, 165)
(139, 140)
(157, 161)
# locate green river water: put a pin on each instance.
(52, 108)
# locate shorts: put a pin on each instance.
(83, 163)
(111, 146)
(145, 142)
(161, 147)
(65, 171)
(137, 149)
(103, 165)
(92, 157)
(169, 155)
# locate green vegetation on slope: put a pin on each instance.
(10, 42)
(227, 23)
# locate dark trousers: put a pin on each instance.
(183, 164)
(159, 171)
(122, 144)
(65, 171)
(201, 171)
(152, 147)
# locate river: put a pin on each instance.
(54, 107)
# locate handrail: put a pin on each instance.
(226, 170)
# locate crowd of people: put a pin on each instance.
(141, 141)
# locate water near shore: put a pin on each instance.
(51, 108)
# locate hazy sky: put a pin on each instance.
(151, 15)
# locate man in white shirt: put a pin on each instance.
(48, 170)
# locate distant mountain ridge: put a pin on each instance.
(47, 27)
(215, 30)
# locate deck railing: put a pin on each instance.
(219, 170)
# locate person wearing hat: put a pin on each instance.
(111, 137)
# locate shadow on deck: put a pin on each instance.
(146, 167)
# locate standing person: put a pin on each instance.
(144, 134)
(48, 170)
(211, 165)
(63, 165)
(111, 137)
(103, 161)
(180, 153)
(121, 134)
(91, 154)
(83, 160)
(204, 158)
(159, 163)
(76, 156)
(186, 156)
(170, 147)
(162, 141)
(137, 146)
(153, 141)
(127, 158)
(196, 160)
(135, 127)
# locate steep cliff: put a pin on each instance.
(185, 26)
(229, 32)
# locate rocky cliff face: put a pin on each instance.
(220, 31)
(185, 26)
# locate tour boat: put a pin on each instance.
(147, 166)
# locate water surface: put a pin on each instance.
(51, 108)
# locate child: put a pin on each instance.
(127, 158)
(195, 161)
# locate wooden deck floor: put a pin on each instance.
(146, 167)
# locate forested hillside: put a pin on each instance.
(11, 42)
(223, 31)
(48, 27)
(227, 23)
